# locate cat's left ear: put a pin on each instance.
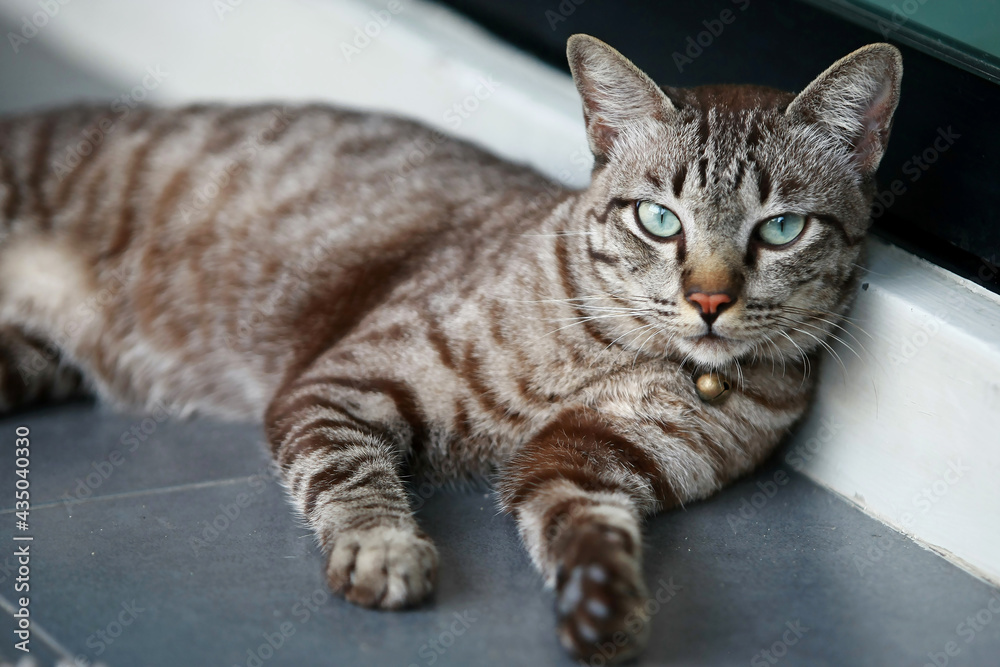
(615, 92)
(854, 101)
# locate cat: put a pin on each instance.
(386, 300)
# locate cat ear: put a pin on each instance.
(854, 101)
(615, 92)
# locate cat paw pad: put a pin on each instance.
(383, 567)
(600, 604)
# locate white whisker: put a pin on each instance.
(556, 234)
(636, 357)
(630, 331)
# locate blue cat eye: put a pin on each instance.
(658, 220)
(781, 229)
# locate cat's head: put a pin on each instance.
(728, 219)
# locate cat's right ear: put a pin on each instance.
(615, 92)
(854, 101)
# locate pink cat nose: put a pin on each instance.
(709, 303)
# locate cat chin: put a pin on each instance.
(713, 351)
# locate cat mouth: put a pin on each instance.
(712, 338)
(715, 349)
(714, 342)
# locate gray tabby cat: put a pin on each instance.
(602, 354)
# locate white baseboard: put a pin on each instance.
(913, 431)
(914, 423)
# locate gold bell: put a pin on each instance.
(712, 387)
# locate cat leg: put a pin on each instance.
(31, 371)
(578, 491)
(340, 443)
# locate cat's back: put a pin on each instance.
(202, 234)
(243, 162)
(244, 193)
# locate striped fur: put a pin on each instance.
(387, 301)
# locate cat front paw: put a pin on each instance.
(384, 567)
(600, 598)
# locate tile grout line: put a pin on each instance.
(134, 494)
(41, 632)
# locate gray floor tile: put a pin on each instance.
(129, 556)
(80, 452)
(867, 595)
